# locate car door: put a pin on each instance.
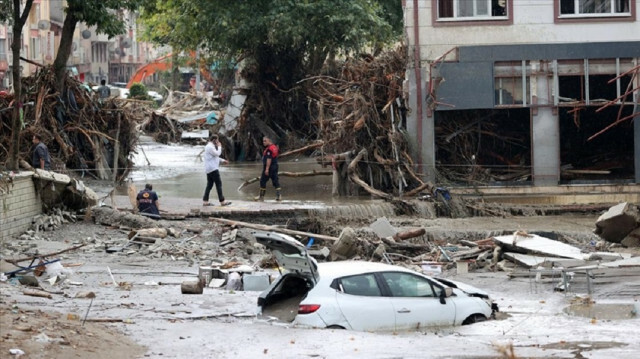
(416, 301)
(362, 304)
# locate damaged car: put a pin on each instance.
(363, 296)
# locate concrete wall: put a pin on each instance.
(533, 22)
(459, 58)
(18, 206)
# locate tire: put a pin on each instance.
(475, 318)
(335, 327)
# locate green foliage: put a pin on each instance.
(138, 91)
(104, 14)
(6, 11)
(242, 28)
(277, 42)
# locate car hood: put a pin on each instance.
(469, 289)
(290, 254)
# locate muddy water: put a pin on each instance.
(178, 171)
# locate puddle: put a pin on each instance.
(604, 311)
(583, 346)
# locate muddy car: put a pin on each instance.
(363, 296)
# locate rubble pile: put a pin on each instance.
(184, 116)
(83, 133)
(509, 252)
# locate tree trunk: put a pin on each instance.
(16, 123)
(175, 72)
(64, 50)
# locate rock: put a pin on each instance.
(345, 246)
(383, 228)
(29, 280)
(615, 224)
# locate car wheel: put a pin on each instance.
(476, 318)
(335, 327)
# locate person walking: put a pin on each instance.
(40, 158)
(212, 160)
(269, 169)
(147, 201)
(103, 90)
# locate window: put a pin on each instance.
(588, 81)
(35, 48)
(472, 9)
(512, 83)
(364, 285)
(594, 8)
(409, 285)
(3, 50)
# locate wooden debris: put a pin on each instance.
(412, 233)
(274, 229)
(36, 293)
(18, 260)
(79, 130)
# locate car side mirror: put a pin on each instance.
(447, 292)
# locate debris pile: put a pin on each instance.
(184, 116)
(482, 147)
(82, 133)
(360, 116)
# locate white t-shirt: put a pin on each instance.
(211, 157)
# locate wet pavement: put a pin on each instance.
(178, 171)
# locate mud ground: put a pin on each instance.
(138, 310)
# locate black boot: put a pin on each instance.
(278, 194)
(260, 197)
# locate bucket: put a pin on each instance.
(204, 274)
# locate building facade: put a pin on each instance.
(563, 74)
(94, 56)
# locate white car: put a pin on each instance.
(365, 296)
(155, 96)
(115, 91)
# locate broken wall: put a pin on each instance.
(19, 203)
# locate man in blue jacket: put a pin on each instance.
(147, 201)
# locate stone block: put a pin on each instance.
(615, 224)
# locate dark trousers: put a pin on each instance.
(213, 177)
(273, 176)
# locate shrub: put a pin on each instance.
(138, 91)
